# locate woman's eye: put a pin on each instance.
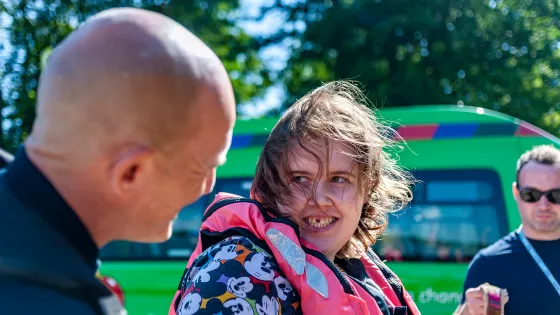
(338, 179)
(300, 179)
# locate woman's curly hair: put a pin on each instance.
(337, 111)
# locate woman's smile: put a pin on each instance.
(320, 223)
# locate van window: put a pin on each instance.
(454, 214)
(185, 230)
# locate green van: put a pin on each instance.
(464, 158)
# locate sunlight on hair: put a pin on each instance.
(339, 111)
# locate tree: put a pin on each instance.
(36, 27)
(498, 54)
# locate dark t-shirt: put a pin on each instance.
(507, 264)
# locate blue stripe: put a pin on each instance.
(446, 131)
(241, 141)
(259, 140)
(496, 129)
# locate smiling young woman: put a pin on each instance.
(324, 185)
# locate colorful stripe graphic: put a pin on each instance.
(429, 132)
(462, 131)
(248, 140)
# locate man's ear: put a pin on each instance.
(132, 169)
(514, 190)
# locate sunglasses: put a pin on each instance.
(529, 194)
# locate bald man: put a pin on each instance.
(134, 114)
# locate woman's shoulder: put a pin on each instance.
(234, 256)
(239, 249)
(237, 272)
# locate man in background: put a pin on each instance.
(525, 262)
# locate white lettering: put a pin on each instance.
(431, 296)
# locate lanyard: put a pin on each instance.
(538, 259)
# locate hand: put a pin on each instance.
(474, 303)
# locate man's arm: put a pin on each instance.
(478, 273)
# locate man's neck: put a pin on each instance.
(540, 236)
(85, 206)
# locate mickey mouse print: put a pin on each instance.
(236, 277)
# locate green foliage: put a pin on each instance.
(38, 26)
(498, 54)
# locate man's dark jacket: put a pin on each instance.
(5, 158)
(48, 259)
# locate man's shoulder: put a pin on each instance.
(41, 291)
(8, 202)
(24, 298)
(28, 239)
(503, 247)
(496, 263)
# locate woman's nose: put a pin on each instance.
(322, 195)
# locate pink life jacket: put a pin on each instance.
(321, 286)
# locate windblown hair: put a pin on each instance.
(339, 112)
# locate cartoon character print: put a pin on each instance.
(236, 277)
(237, 306)
(259, 266)
(283, 288)
(203, 274)
(269, 306)
(227, 252)
(239, 286)
(189, 277)
(190, 304)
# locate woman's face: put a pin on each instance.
(329, 221)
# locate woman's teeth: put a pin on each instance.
(319, 222)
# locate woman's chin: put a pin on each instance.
(323, 245)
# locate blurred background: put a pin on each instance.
(498, 54)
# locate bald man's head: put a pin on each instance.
(142, 103)
(131, 74)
